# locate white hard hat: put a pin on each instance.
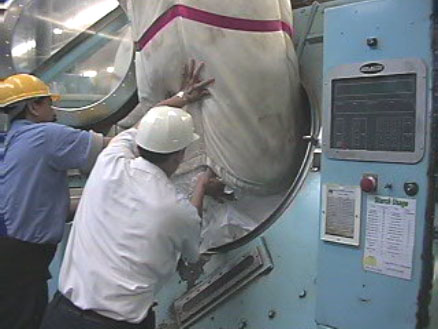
(166, 129)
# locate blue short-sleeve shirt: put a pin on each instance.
(34, 195)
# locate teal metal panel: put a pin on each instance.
(332, 285)
(347, 296)
(288, 291)
(434, 302)
(55, 266)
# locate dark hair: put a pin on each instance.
(154, 157)
(22, 114)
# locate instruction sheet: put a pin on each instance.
(390, 235)
(341, 214)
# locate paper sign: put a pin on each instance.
(390, 235)
(341, 214)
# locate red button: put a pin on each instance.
(368, 184)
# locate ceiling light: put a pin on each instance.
(90, 15)
(89, 74)
(22, 48)
(57, 30)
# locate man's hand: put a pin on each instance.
(205, 181)
(204, 177)
(193, 87)
(213, 186)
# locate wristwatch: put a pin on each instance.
(180, 94)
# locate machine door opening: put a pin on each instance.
(275, 208)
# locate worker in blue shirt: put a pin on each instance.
(35, 154)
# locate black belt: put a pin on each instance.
(64, 303)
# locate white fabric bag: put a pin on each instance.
(250, 123)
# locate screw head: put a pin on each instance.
(303, 294)
(372, 42)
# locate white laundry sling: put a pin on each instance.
(249, 125)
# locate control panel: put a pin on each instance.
(377, 111)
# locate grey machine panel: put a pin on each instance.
(221, 284)
(376, 111)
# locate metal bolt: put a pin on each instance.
(302, 294)
(243, 324)
(372, 42)
(272, 314)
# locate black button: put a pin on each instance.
(411, 189)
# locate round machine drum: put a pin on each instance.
(252, 124)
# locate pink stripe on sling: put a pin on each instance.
(201, 16)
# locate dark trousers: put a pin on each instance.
(23, 282)
(63, 314)
(23, 306)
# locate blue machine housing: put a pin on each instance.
(301, 281)
(348, 296)
(319, 284)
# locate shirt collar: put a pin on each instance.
(15, 126)
(20, 123)
(144, 165)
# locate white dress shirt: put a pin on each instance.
(130, 229)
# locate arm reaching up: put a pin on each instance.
(192, 88)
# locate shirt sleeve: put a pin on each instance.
(123, 145)
(70, 148)
(191, 232)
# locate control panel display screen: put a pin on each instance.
(374, 113)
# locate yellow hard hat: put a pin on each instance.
(20, 87)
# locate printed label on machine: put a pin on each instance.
(390, 235)
(341, 214)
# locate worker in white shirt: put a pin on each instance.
(131, 227)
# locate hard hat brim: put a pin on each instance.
(55, 97)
